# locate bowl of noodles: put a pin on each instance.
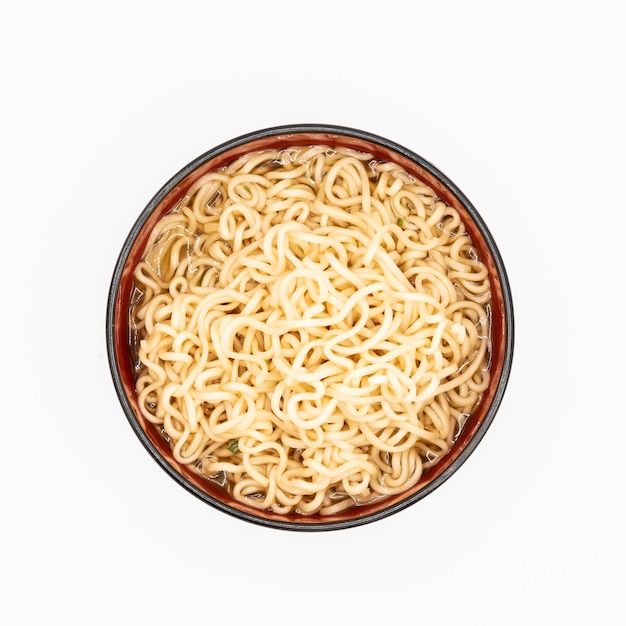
(310, 327)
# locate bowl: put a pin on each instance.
(428, 462)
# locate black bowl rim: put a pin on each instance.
(509, 324)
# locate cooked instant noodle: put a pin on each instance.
(311, 328)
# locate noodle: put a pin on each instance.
(311, 328)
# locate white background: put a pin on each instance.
(521, 104)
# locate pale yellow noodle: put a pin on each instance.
(313, 328)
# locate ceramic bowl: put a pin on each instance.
(118, 329)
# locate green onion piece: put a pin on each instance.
(400, 221)
(233, 446)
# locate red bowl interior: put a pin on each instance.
(166, 199)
